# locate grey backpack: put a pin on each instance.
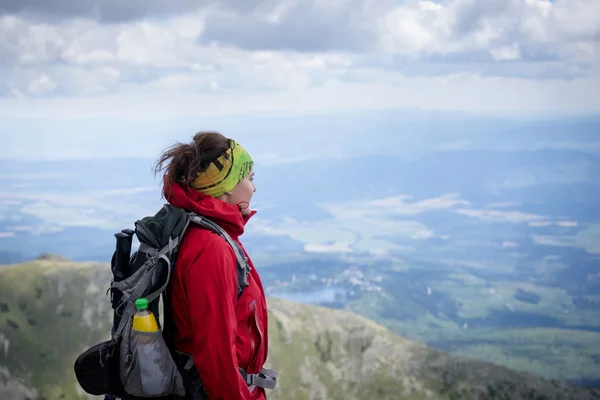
(141, 365)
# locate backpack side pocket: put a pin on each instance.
(151, 371)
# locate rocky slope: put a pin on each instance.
(52, 309)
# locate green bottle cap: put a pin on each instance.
(141, 304)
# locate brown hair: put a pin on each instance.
(184, 160)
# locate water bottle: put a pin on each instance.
(144, 320)
(148, 342)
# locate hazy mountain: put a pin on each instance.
(75, 206)
(475, 235)
(51, 310)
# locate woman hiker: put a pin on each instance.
(226, 337)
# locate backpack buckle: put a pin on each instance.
(250, 379)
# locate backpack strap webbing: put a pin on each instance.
(144, 283)
(265, 378)
(243, 267)
(167, 254)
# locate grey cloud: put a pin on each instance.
(56, 80)
(480, 63)
(475, 31)
(471, 14)
(529, 24)
(295, 35)
(307, 26)
(104, 10)
(116, 10)
(69, 58)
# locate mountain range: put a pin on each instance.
(51, 309)
(475, 236)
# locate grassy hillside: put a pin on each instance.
(51, 310)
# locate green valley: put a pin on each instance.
(52, 309)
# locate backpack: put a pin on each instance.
(119, 367)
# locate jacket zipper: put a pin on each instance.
(258, 328)
(257, 354)
(252, 344)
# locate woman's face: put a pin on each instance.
(242, 194)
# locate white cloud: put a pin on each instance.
(229, 57)
(506, 29)
(423, 234)
(511, 52)
(567, 224)
(328, 248)
(509, 245)
(349, 232)
(418, 28)
(473, 94)
(552, 241)
(503, 204)
(516, 217)
(42, 84)
(586, 239)
(85, 208)
(396, 205)
(544, 224)
(501, 216)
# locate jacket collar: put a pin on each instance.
(228, 216)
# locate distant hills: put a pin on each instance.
(72, 207)
(51, 309)
(482, 235)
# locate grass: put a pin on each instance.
(44, 304)
(554, 352)
(548, 352)
(318, 362)
(318, 352)
(560, 354)
(477, 297)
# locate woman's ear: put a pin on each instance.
(224, 196)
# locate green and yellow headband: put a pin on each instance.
(223, 174)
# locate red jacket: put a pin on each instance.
(221, 332)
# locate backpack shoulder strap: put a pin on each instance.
(140, 281)
(243, 267)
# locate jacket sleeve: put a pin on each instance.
(212, 294)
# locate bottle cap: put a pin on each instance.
(141, 304)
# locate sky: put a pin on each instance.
(141, 61)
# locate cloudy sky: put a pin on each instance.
(141, 58)
(148, 70)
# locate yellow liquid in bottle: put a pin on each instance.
(144, 319)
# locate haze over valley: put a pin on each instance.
(476, 236)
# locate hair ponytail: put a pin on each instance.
(182, 161)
